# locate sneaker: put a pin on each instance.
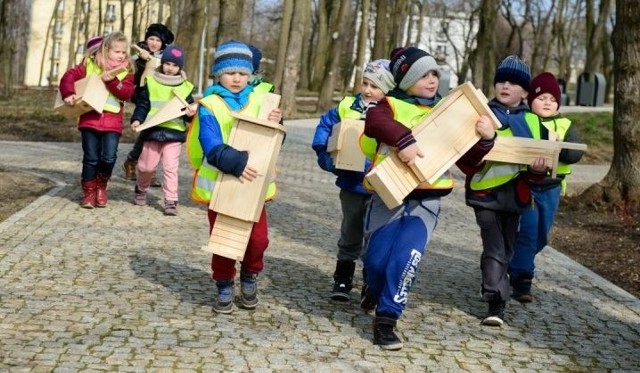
(522, 291)
(341, 290)
(385, 336)
(367, 301)
(495, 315)
(224, 302)
(249, 291)
(139, 197)
(155, 183)
(129, 168)
(171, 208)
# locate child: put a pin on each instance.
(395, 239)
(537, 218)
(377, 81)
(101, 132)
(156, 39)
(164, 141)
(210, 154)
(498, 191)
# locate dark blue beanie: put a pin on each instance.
(513, 70)
(173, 54)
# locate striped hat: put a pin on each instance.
(513, 70)
(410, 64)
(232, 57)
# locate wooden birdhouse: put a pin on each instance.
(172, 109)
(91, 94)
(444, 136)
(344, 145)
(239, 203)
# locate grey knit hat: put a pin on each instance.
(513, 70)
(378, 72)
(410, 64)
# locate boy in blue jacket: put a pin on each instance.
(376, 82)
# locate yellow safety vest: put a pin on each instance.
(113, 104)
(159, 94)
(263, 87)
(494, 174)
(557, 125)
(409, 115)
(205, 175)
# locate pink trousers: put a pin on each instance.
(152, 153)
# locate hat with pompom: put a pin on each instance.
(410, 64)
(232, 57)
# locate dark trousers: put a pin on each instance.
(499, 231)
(100, 150)
(135, 152)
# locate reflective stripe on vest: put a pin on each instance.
(160, 94)
(557, 125)
(411, 115)
(202, 188)
(113, 104)
(494, 174)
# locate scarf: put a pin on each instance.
(402, 95)
(236, 101)
(170, 80)
(511, 117)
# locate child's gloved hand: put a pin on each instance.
(325, 162)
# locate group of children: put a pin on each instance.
(514, 205)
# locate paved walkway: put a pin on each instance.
(125, 288)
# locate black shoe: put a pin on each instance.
(343, 277)
(522, 291)
(495, 315)
(367, 301)
(384, 334)
(341, 290)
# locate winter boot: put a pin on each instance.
(384, 334)
(343, 277)
(368, 301)
(89, 194)
(224, 300)
(249, 290)
(495, 314)
(170, 208)
(522, 290)
(129, 168)
(101, 195)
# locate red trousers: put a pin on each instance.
(224, 269)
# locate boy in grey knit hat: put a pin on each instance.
(376, 82)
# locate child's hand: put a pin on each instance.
(70, 100)
(249, 174)
(539, 165)
(135, 124)
(485, 129)
(408, 155)
(191, 110)
(144, 54)
(275, 115)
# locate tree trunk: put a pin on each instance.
(189, 38)
(230, 24)
(484, 56)
(380, 37)
(322, 45)
(363, 35)
(283, 42)
(595, 32)
(621, 186)
(292, 61)
(325, 100)
(304, 70)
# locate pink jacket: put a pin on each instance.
(105, 122)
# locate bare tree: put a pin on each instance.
(230, 24)
(285, 30)
(596, 32)
(192, 19)
(621, 186)
(380, 36)
(292, 62)
(322, 42)
(325, 100)
(363, 34)
(484, 56)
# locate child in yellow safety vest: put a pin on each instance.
(537, 219)
(210, 154)
(101, 132)
(396, 239)
(163, 142)
(498, 191)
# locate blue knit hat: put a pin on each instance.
(513, 70)
(173, 54)
(232, 57)
(256, 57)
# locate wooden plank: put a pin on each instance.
(523, 150)
(172, 109)
(344, 145)
(229, 237)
